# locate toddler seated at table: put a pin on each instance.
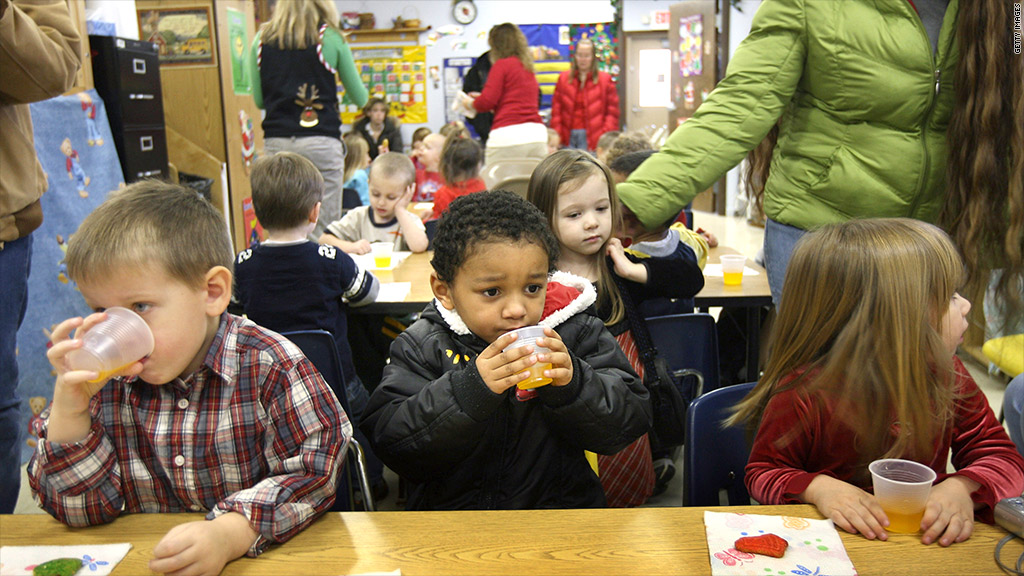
(448, 415)
(223, 417)
(386, 219)
(428, 178)
(288, 283)
(863, 367)
(461, 159)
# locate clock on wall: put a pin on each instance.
(464, 11)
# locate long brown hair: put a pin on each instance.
(575, 70)
(295, 24)
(858, 324)
(984, 205)
(508, 40)
(564, 171)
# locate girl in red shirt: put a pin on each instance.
(460, 170)
(862, 367)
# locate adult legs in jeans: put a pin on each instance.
(779, 241)
(578, 139)
(1013, 404)
(15, 262)
(328, 154)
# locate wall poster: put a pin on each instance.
(397, 73)
(184, 35)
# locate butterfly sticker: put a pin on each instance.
(805, 571)
(733, 557)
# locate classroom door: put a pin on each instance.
(693, 40)
(648, 82)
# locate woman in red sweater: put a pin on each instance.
(511, 92)
(585, 104)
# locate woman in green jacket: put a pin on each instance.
(867, 94)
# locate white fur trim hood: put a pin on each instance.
(587, 296)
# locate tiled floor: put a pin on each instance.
(731, 231)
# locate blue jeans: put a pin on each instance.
(1013, 404)
(15, 262)
(578, 139)
(779, 241)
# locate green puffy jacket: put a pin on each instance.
(864, 105)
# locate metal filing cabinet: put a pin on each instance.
(127, 77)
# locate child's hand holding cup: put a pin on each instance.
(113, 345)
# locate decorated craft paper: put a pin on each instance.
(815, 548)
(97, 559)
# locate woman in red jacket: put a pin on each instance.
(586, 103)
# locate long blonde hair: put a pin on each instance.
(508, 40)
(565, 171)
(356, 150)
(295, 24)
(575, 69)
(858, 324)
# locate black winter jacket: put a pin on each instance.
(435, 422)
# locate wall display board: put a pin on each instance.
(455, 70)
(399, 74)
(550, 46)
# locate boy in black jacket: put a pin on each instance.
(447, 416)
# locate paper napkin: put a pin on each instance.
(815, 548)
(715, 269)
(97, 559)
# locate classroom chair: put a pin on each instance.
(320, 348)
(714, 458)
(504, 169)
(350, 199)
(689, 344)
(518, 185)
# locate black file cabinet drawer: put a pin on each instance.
(127, 77)
(144, 154)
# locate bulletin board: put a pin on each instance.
(455, 70)
(550, 46)
(399, 74)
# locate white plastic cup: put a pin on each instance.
(732, 268)
(109, 347)
(528, 335)
(902, 488)
(381, 254)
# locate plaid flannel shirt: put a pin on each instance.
(255, 430)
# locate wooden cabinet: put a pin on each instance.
(204, 115)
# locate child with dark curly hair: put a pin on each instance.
(448, 416)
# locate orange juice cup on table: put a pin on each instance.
(732, 268)
(381, 254)
(902, 488)
(113, 345)
(528, 336)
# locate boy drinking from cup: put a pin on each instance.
(448, 415)
(223, 416)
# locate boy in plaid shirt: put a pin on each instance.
(223, 417)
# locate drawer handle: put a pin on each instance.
(138, 65)
(146, 143)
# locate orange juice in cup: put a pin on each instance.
(732, 268)
(528, 336)
(902, 488)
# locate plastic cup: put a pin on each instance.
(902, 488)
(732, 268)
(529, 335)
(381, 254)
(109, 347)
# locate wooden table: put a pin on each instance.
(753, 294)
(643, 541)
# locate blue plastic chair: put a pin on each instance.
(714, 458)
(689, 344)
(320, 348)
(350, 199)
(430, 227)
